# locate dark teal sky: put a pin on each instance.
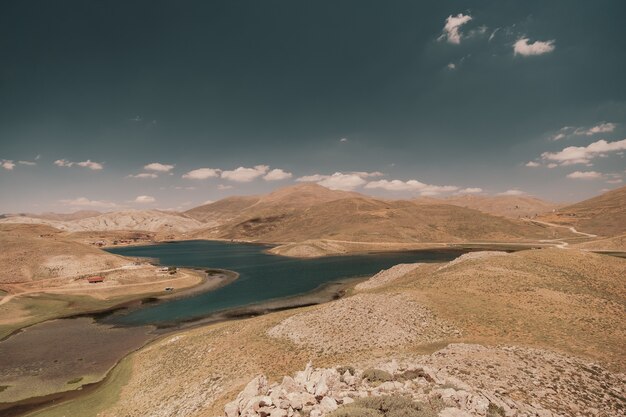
(228, 84)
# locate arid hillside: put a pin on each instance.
(503, 205)
(145, 220)
(283, 200)
(604, 215)
(365, 219)
(35, 252)
(532, 319)
(77, 215)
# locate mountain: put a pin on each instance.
(604, 215)
(283, 200)
(513, 206)
(145, 220)
(301, 213)
(77, 215)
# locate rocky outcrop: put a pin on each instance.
(364, 321)
(472, 256)
(386, 276)
(552, 389)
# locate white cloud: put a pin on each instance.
(277, 175)
(513, 192)
(585, 175)
(411, 185)
(8, 165)
(343, 140)
(202, 174)
(470, 190)
(94, 166)
(451, 66)
(208, 202)
(524, 48)
(601, 128)
(346, 181)
(336, 181)
(532, 164)
(584, 154)
(451, 31)
(63, 163)
(223, 187)
(85, 202)
(243, 174)
(144, 175)
(144, 199)
(615, 181)
(156, 166)
(552, 165)
(28, 163)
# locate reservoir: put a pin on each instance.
(262, 276)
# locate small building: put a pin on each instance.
(95, 280)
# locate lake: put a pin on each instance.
(262, 276)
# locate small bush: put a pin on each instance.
(377, 375)
(385, 406)
(495, 411)
(350, 411)
(342, 370)
(75, 380)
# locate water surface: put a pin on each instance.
(262, 276)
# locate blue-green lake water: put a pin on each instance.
(262, 276)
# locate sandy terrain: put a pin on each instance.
(364, 322)
(386, 276)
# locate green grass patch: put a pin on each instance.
(75, 380)
(4, 387)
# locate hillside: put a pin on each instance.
(604, 215)
(144, 220)
(364, 219)
(33, 252)
(283, 200)
(503, 205)
(478, 330)
(77, 215)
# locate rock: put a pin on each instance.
(347, 400)
(258, 386)
(231, 409)
(315, 413)
(328, 404)
(297, 400)
(290, 385)
(278, 412)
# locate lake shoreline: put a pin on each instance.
(325, 293)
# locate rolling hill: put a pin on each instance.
(35, 251)
(604, 215)
(311, 212)
(502, 205)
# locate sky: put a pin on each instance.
(136, 104)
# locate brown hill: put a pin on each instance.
(365, 219)
(35, 251)
(283, 200)
(512, 206)
(604, 215)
